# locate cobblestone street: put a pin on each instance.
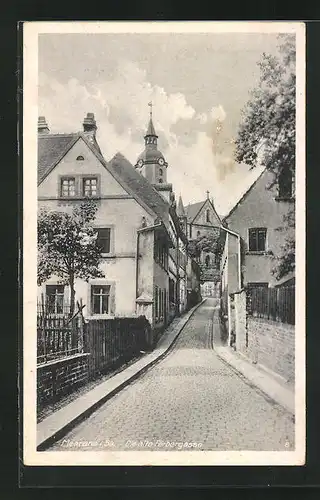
(189, 399)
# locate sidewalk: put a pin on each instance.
(60, 422)
(271, 385)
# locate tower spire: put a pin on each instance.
(150, 104)
(151, 136)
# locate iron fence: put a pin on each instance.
(58, 334)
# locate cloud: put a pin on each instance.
(216, 113)
(120, 107)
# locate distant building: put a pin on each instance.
(202, 221)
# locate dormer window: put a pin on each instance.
(80, 158)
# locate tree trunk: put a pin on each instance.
(72, 294)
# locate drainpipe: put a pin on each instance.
(228, 231)
(137, 263)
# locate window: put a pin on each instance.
(207, 260)
(208, 215)
(198, 234)
(285, 183)
(160, 181)
(104, 239)
(100, 299)
(54, 299)
(160, 171)
(80, 158)
(68, 187)
(257, 239)
(90, 186)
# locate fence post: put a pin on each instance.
(43, 330)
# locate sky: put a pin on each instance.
(193, 80)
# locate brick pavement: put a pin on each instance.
(190, 399)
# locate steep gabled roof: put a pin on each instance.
(180, 210)
(51, 149)
(194, 209)
(243, 197)
(140, 186)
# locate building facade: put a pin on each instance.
(136, 221)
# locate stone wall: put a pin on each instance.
(58, 378)
(272, 345)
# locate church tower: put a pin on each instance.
(152, 164)
(182, 215)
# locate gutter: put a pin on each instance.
(228, 231)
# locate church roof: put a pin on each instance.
(180, 209)
(193, 209)
(151, 129)
(150, 155)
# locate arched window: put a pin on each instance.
(208, 215)
(160, 171)
(207, 260)
(160, 180)
(198, 234)
(80, 158)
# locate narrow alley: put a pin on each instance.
(190, 396)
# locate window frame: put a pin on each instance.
(56, 295)
(101, 295)
(67, 178)
(111, 239)
(90, 177)
(257, 229)
(100, 282)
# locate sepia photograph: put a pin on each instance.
(164, 243)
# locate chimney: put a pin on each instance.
(208, 195)
(90, 127)
(42, 126)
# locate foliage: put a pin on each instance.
(68, 246)
(285, 262)
(267, 130)
(205, 243)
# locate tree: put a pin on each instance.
(206, 243)
(266, 133)
(68, 247)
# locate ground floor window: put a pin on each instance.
(54, 299)
(100, 299)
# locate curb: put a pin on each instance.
(259, 379)
(44, 442)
